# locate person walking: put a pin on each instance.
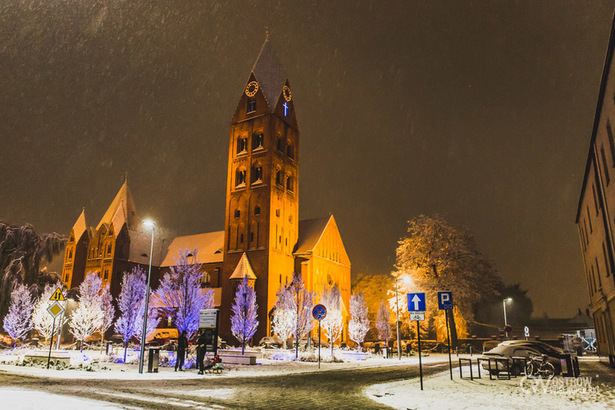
(200, 351)
(182, 344)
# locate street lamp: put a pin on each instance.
(148, 223)
(504, 301)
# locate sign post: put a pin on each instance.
(445, 302)
(208, 323)
(54, 310)
(416, 309)
(319, 313)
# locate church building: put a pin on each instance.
(263, 237)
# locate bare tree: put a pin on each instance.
(333, 322)
(359, 322)
(18, 321)
(244, 318)
(383, 323)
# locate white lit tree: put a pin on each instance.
(129, 301)
(41, 319)
(89, 316)
(244, 317)
(18, 321)
(106, 305)
(304, 302)
(359, 322)
(383, 323)
(181, 295)
(285, 314)
(333, 322)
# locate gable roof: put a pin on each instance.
(270, 74)
(243, 268)
(80, 226)
(123, 200)
(210, 247)
(310, 231)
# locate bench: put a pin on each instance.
(238, 359)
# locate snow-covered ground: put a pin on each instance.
(440, 392)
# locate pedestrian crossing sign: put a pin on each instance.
(57, 295)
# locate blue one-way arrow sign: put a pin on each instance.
(416, 302)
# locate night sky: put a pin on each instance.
(480, 111)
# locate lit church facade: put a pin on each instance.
(263, 237)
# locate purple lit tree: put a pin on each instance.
(333, 322)
(304, 302)
(383, 323)
(129, 303)
(153, 318)
(181, 295)
(106, 305)
(359, 323)
(41, 319)
(89, 316)
(243, 318)
(285, 314)
(18, 321)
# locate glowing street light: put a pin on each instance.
(504, 301)
(148, 223)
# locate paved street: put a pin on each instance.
(319, 389)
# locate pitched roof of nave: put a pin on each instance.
(270, 74)
(80, 227)
(310, 231)
(123, 203)
(210, 247)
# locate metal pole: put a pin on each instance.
(505, 321)
(144, 335)
(418, 333)
(319, 344)
(397, 314)
(53, 329)
(448, 334)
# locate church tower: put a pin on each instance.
(262, 194)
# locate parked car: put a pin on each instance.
(523, 349)
(271, 341)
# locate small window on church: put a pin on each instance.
(237, 213)
(240, 177)
(277, 212)
(106, 275)
(251, 105)
(278, 144)
(70, 254)
(242, 145)
(257, 210)
(109, 249)
(241, 238)
(257, 174)
(257, 141)
(251, 236)
(278, 177)
(289, 183)
(289, 151)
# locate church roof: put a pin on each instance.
(310, 231)
(80, 226)
(123, 200)
(210, 247)
(270, 74)
(243, 269)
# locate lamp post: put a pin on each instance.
(397, 320)
(149, 224)
(504, 301)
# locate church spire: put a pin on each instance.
(269, 73)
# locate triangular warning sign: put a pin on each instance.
(57, 295)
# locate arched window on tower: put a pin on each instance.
(257, 174)
(278, 144)
(278, 178)
(242, 145)
(240, 178)
(289, 183)
(290, 152)
(257, 141)
(257, 210)
(251, 107)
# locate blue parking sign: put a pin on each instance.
(445, 300)
(416, 302)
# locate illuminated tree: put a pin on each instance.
(244, 318)
(153, 318)
(18, 321)
(303, 303)
(359, 322)
(106, 304)
(181, 295)
(129, 303)
(438, 256)
(383, 323)
(333, 322)
(22, 251)
(285, 314)
(89, 316)
(41, 319)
